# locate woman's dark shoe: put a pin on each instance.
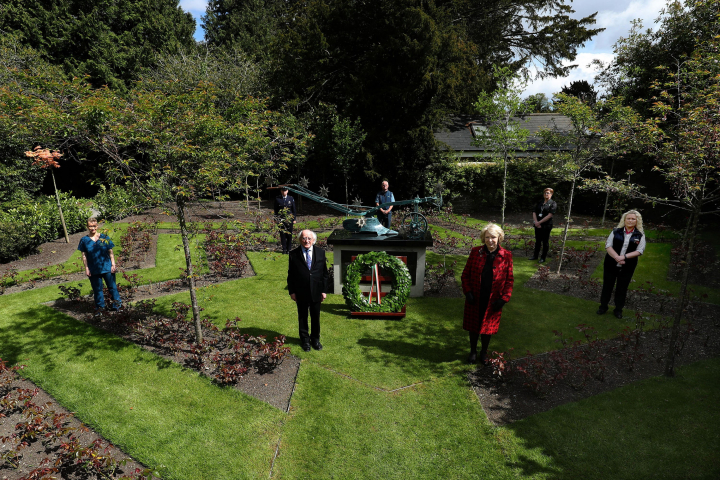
(533, 258)
(542, 260)
(472, 358)
(483, 359)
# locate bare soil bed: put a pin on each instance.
(41, 449)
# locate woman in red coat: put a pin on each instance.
(487, 282)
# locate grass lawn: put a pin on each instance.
(350, 415)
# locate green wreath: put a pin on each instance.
(396, 297)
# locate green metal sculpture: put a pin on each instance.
(414, 224)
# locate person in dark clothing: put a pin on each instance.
(285, 216)
(624, 245)
(487, 282)
(543, 223)
(307, 285)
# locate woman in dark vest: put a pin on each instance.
(624, 245)
(542, 221)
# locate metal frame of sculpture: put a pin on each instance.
(414, 224)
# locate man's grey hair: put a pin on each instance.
(300, 234)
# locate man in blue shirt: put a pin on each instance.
(99, 261)
(384, 196)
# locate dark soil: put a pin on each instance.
(514, 398)
(507, 401)
(36, 452)
(272, 385)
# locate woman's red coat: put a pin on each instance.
(501, 288)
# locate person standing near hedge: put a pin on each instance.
(624, 245)
(285, 212)
(542, 221)
(487, 282)
(99, 261)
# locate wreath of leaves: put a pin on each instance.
(396, 297)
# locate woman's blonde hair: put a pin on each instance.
(494, 230)
(639, 224)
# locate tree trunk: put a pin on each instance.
(502, 222)
(567, 225)
(62, 217)
(607, 195)
(191, 276)
(257, 188)
(683, 301)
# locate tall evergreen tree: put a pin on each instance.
(402, 66)
(247, 25)
(112, 41)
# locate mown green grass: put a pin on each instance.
(162, 414)
(344, 422)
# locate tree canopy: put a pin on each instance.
(111, 41)
(403, 66)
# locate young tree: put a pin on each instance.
(575, 153)
(684, 139)
(45, 159)
(500, 133)
(181, 147)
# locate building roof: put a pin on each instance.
(457, 135)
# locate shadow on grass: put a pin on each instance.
(41, 333)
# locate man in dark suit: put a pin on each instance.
(307, 284)
(285, 216)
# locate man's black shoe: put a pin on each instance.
(618, 314)
(601, 310)
(532, 258)
(542, 260)
(316, 344)
(306, 347)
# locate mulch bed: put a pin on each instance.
(35, 452)
(505, 402)
(508, 401)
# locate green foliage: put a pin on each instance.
(231, 71)
(538, 103)
(394, 301)
(639, 55)
(582, 90)
(30, 224)
(483, 184)
(119, 202)
(500, 133)
(402, 67)
(111, 41)
(337, 145)
(247, 25)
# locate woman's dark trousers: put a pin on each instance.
(613, 274)
(542, 237)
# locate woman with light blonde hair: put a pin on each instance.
(624, 245)
(487, 282)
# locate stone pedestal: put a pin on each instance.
(347, 245)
